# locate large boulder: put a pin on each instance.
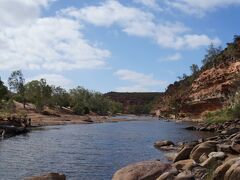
(184, 153)
(205, 147)
(185, 175)
(187, 164)
(49, 176)
(221, 171)
(146, 170)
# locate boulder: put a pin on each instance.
(220, 171)
(185, 175)
(218, 155)
(184, 153)
(168, 175)
(187, 164)
(203, 158)
(163, 143)
(146, 170)
(235, 146)
(233, 172)
(49, 176)
(205, 147)
(211, 163)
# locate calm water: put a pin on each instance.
(87, 152)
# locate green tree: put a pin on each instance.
(194, 69)
(60, 97)
(16, 83)
(39, 93)
(211, 56)
(3, 90)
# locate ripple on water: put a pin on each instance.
(93, 151)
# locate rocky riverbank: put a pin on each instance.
(12, 126)
(216, 157)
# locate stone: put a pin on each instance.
(184, 153)
(191, 128)
(233, 172)
(49, 176)
(218, 155)
(224, 148)
(187, 164)
(163, 143)
(147, 170)
(185, 175)
(205, 147)
(211, 162)
(168, 175)
(220, 171)
(236, 146)
(203, 158)
(199, 172)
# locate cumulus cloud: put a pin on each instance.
(53, 79)
(51, 43)
(200, 7)
(19, 12)
(140, 81)
(137, 22)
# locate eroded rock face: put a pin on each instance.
(210, 91)
(146, 170)
(49, 176)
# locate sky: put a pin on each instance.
(111, 45)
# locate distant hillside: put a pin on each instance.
(134, 101)
(208, 88)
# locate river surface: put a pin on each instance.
(87, 152)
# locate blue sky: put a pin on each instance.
(110, 45)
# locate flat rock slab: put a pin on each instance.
(146, 170)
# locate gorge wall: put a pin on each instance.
(209, 88)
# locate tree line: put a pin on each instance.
(38, 92)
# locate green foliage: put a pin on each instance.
(194, 69)
(3, 90)
(211, 58)
(84, 101)
(16, 83)
(39, 93)
(140, 109)
(60, 97)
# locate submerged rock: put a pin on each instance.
(159, 144)
(49, 176)
(148, 170)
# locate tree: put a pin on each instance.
(16, 83)
(39, 93)
(60, 97)
(194, 69)
(211, 56)
(3, 90)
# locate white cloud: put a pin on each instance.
(173, 57)
(149, 3)
(53, 79)
(200, 7)
(137, 22)
(19, 12)
(49, 43)
(29, 41)
(140, 81)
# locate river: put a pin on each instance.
(87, 152)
